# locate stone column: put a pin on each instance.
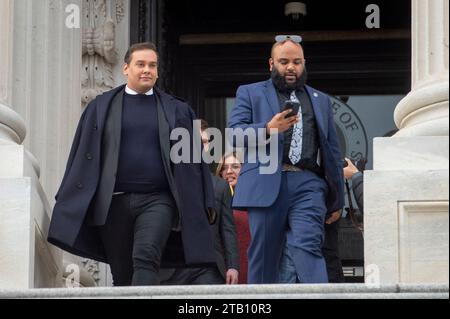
(424, 111)
(406, 215)
(26, 260)
(5, 57)
(12, 126)
(41, 80)
(46, 65)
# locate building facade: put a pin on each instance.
(386, 65)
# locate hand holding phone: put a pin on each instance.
(285, 119)
(291, 105)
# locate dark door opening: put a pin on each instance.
(207, 49)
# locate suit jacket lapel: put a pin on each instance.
(320, 120)
(271, 96)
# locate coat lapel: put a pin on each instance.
(110, 124)
(168, 108)
(164, 137)
(103, 104)
(166, 121)
(116, 117)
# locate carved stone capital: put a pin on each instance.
(100, 18)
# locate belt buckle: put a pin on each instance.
(291, 168)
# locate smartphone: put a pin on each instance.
(294, 106)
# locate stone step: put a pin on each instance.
(292, 291)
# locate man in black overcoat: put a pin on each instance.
(122, 195)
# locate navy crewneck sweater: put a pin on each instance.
(140, 168)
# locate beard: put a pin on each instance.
(280, 82)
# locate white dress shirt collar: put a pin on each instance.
(133, 92)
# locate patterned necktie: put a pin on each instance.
(295, 152)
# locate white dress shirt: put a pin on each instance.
(133, 92)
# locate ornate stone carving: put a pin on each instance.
(100, 18)
(92, 267)
(120, 10)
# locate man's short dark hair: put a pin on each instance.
(203, 125)
(139, 47)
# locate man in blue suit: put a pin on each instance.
(307, 187)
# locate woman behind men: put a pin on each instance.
(228, 169)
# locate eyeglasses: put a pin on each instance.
(234, 167)
(282, 38)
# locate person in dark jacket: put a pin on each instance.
(122, 196)
(226, 269)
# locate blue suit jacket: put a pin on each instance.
(255, 106)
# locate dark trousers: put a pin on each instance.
(135, 235)
(192, 276)
(330, 252)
